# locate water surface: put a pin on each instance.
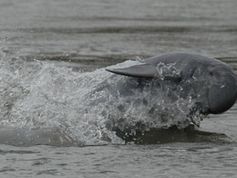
(44, 44)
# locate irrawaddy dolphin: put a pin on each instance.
(214, 83)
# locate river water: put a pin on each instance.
(54, 89)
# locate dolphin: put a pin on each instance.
(214, 82)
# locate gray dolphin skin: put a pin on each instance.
(213, 81)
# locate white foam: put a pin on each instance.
(42, 95)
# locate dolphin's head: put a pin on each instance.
(217, 79)
(222, 92)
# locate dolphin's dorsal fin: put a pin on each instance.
(145, 71)
(141, 71)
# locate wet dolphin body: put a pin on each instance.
(214, 82)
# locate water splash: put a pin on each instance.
(87, 107)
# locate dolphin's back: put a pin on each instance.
(178, 58)
(186, 63)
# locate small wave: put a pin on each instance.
(130, 29)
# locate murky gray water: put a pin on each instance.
(49, 52)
